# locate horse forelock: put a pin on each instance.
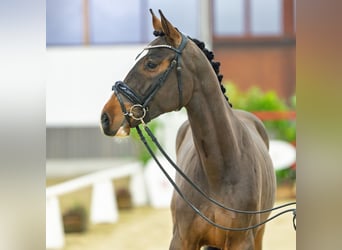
(210, 56)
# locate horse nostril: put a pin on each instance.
(105, 120)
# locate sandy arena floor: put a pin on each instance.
(150, 229)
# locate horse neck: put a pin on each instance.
(214, 127)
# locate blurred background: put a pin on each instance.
(90, 45)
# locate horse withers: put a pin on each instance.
(223, 150)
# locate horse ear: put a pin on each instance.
(172, 34)
(157, 26)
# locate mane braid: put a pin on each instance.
(215, 65)
(210, 57)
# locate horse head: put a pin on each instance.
(160, 81)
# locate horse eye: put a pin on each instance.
(151, 65)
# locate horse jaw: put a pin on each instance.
(123, 131)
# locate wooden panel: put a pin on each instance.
(87, 143)
(288, 18)
(268, 67)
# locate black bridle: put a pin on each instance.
(139, 108)
(138, 112)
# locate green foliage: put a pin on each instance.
(256, 100)
(287, 175)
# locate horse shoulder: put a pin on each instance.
(253, 122)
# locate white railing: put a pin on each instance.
(103, 204)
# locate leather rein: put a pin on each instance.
(138, 112)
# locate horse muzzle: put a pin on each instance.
(113, 121)
(118, 130)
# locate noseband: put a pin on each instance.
(139, 108)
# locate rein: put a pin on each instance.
(138, 112)
(199, 190)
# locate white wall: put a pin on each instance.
(79, 81)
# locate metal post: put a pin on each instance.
(86, 26)
(205, 21)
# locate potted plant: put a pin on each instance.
(75, 219)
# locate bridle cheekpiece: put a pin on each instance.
(139, 109)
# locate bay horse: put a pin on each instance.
(221, 149)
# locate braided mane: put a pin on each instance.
(215, 65)
(210, 57)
